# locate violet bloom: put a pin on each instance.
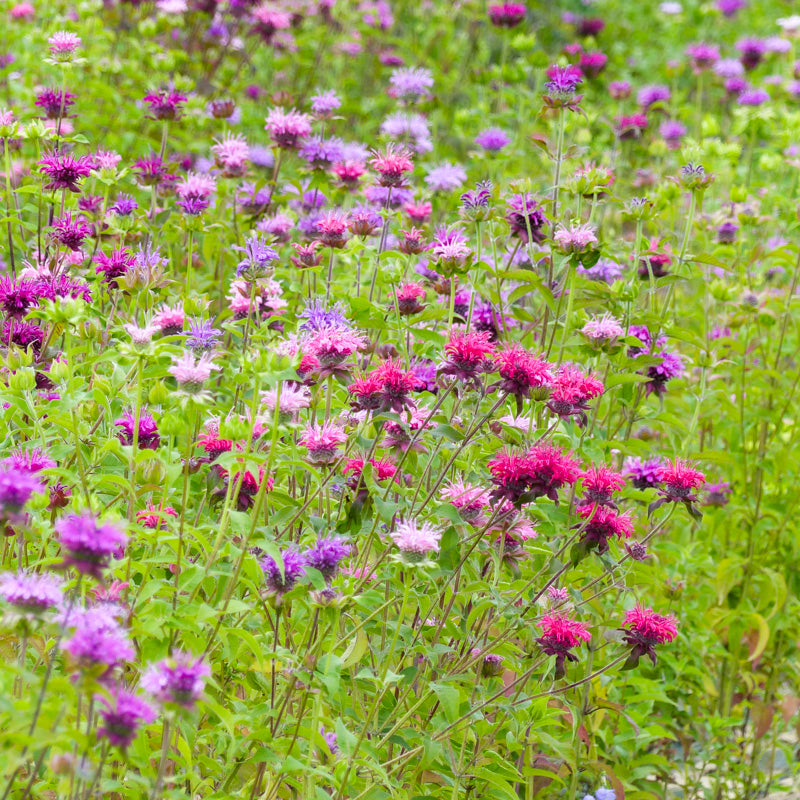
(258, 256)
(124, 205)
(703, 56)
(753, 97)
(446, 178)
(672, 132)
(202, 336)
(282, 578)
(325, 103)
(88, 544)
(123, 714)
(326, 555)
(649, 95)
(16, 488)
(526, 218)
(751, 51)
(31, 593)
(492, 139)
(321, 153)
(178, 680)
(507, 15)
(55, 102)
(148, 437)
(604, 271)
(410, 83)
(643, 472)
(561, 87)
(98, 640)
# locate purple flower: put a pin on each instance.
(16, 488)
(258, 257)
(325, 103)
(718, 494)
(202, 336)
(55, 102)
(282, 579)
(88, 544)
(124, 205)
(649, 95)
(410, 83)
(98, 640)
(643, 472)
(30, 592)
(492, 139)
(446, 178)
(319, 317)
(113, 265)
(321, 153)
(178, 680)
(123, 714)
(165, 105)
(753, 97)
(148, 438)
(326, 554)
(751, 52)
(526, 218)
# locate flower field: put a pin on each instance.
(399, 399)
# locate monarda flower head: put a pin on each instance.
(579, 241)
(571, 391)
(526, 218)
(326, 555)
(98, 642)
(703, 56)
(192, 374)
(288, 129)
(282, 578)
(122, 714)
(231, 155)
(643, 472)
(476, 204)
(63, 45)
(29, 593)
(113, 265)
(386, 388)
(467, 498)
(55, 102)
(602, 331)
(507, 15)
(165, 104)
(177, 681)
(382, 470)
(63, 171)
(410, 83)
(679, 484)
(16, 488)
(408, 298)
(322, 442)
(600, 524)
(599, 485)
(522, 374)
(469, 354)
(540, 472)
(561, 87)
(88, 544)
(416, 540)
(148, 437)
(152, 171)
(643, 630)
(392, 165)
(560, 635)
(257, 260)
(331, 229)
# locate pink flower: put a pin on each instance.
(599, 483)
(408, 296)
(602, 330)
(332, 227)
(571, 391)
(382, 469)
(63, 45)
(468, 499)
(191, 374)
(560, 635)
(602, 524)
(322, 442)
(540, 472)
(155, 518)
(469, 354)
(391, 165)
(521, 372)
(288, 128)
(643, 630)
(231, 155)
(416, 540)
(577, 239)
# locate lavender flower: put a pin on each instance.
(88, 544)
(123, 714)
(202, 336)
(30, 592)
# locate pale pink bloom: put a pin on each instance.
(107, 159)
(141, 336)
(196, 185)
(191, 374)
(63, 45)
(322, 442)
(293, 398)
(576, 239)
(416, 538)
(232, 154)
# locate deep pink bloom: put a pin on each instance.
(469, 354)
(571, 391)
(599, 484)
(382, 469)
(644, 629)
(153, 517)
(391, 165)
(540, 472)
(322, 442)
(164, 104)
(386, 388)
(680, 482)
(123, 714)
(507, 15)
(114, 265)
(178, 680)
(408, 298)
(63, 171)
(332, 226)
(521, 372)
(601, 524)
(560, 635)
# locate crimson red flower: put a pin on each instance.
(644, 629)
(560, 635)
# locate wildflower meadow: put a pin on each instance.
(399, 399)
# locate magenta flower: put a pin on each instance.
(148, 436)
(16, 488)
(601, 524)
(507, 15)
(680, 481)
(391, 166)
(643, 630)
(123, 714)
(469, 355)
(540, 472)
(571, 391)
(63, 171)
(288, 128)
(99, 641)
(178, 680)
(88, 544)
(560, 635)
(165, 104)
(522, 373)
